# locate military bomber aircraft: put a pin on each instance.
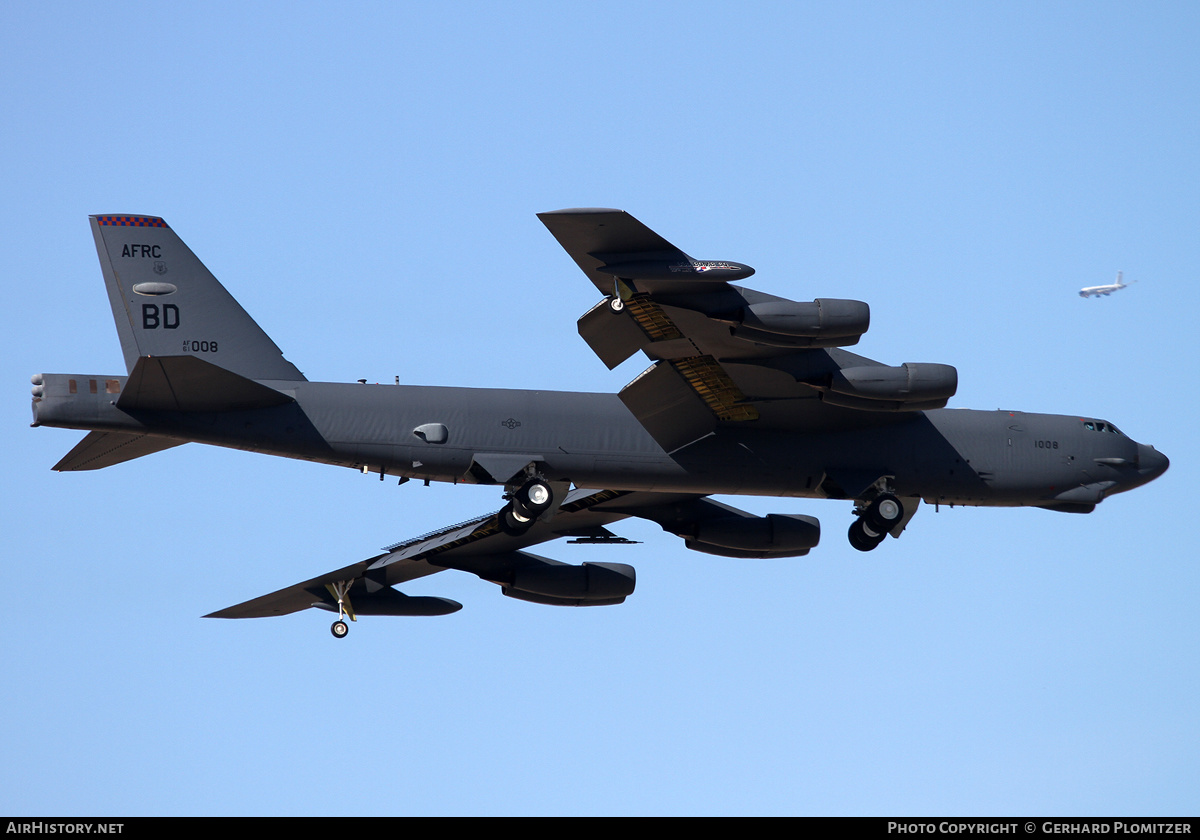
(747, 393)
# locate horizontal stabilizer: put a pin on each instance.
(103, 449)
(185, 383)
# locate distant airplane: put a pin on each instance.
(1097, 291)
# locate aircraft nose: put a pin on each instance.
(1151, 462)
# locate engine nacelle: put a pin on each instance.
(569, 585)
(822, 318)
(909, 385)
(741, 536)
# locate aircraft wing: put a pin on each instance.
(480, 547)
(724, 354)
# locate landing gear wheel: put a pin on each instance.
(512, 522)
(340, 589)
(883, 514)
(863, 537)
(616, 304)
(533, 498)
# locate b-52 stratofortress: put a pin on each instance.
(747, 394)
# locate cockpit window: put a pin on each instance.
(1101, 426)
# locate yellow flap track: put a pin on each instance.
(652, 319)
(716, 387)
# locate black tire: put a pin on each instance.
(883, 514)
(339, 629)
(862, 538)
(533, 499)
(512, 522)
(616, 304)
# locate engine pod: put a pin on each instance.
(909, 383)
(773, 533)
(821, 318)
(589, 582)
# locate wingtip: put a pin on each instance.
(580, 211)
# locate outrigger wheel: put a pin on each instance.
(340, 589)
(617, 303)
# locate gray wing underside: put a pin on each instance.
(591, 236)
(720, 356)
(478, 546)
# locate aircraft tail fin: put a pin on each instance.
(166, 303)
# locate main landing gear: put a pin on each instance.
(875, 521)
(526, 504)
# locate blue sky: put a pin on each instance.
(364, 178)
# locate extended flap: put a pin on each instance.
(613, 336)
(668, 407)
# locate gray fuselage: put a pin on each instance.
(949, 456)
